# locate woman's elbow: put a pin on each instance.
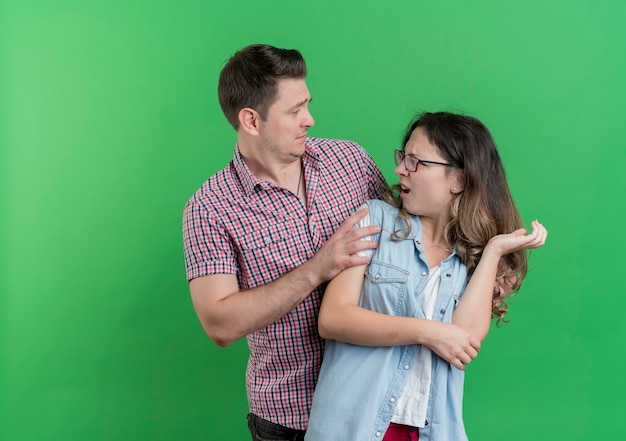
(478, 333)
(325, 327)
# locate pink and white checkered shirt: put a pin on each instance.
(257, 230)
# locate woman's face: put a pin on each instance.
(429, 190)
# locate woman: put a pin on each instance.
(401, 329)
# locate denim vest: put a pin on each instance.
(359, 386)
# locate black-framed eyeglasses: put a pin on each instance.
(411, 162)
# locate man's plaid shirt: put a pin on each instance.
(238, 224)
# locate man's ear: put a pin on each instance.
(249, 120)
(458, 183)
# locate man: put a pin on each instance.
(264, 235)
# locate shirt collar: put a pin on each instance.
(247, 179)
(250, 182)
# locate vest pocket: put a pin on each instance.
(385, 289)
(380, 272)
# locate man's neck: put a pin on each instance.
(285, 174)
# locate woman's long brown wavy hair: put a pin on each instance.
(485, 207)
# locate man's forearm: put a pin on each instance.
(236, 314)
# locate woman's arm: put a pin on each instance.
(473, 312)
(341, 318)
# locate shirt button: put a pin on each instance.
(406, 367)
(442, 311)
(424, 273)
(378, 434)
(377, 276)
(392, 400)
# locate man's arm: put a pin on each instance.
(227, 314)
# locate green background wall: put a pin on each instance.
(109, 121)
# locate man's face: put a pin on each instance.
(283, 133)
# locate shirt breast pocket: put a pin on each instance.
(266, 237)
(271, 250)
(385, 289)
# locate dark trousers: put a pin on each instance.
(263, 430)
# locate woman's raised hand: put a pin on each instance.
(517, 240)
